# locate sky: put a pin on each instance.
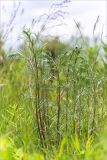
(84, 12)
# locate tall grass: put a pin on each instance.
(53, 99)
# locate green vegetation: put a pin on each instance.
(53, 99)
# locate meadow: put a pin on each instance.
(53, 95)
